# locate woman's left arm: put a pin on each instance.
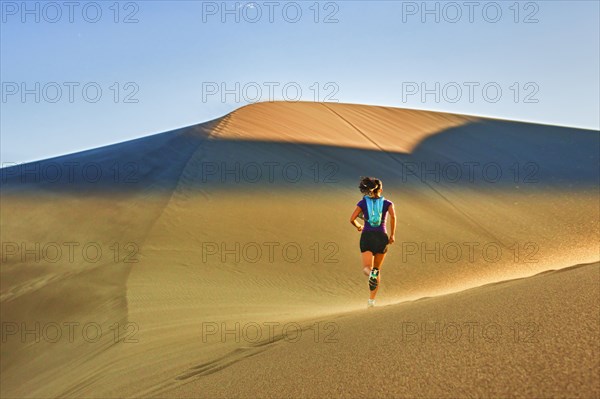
(353, 221)
(392, 212)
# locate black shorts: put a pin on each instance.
(374, 241)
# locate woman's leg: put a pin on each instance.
(378, 258)
(367, 262)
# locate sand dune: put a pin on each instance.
(244, 220)
(520, 338)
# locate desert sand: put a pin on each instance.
(189, 264)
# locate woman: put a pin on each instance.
(374, 240)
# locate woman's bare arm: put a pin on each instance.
(353, 221)
(392, 212)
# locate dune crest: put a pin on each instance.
(344, 125)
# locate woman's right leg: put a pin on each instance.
(367, 262)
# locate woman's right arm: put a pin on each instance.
(353, 221)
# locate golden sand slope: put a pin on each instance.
(198, 227)
(345, 125)
(535, 337)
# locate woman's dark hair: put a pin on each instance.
(369, 184)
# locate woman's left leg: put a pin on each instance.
(375, 277)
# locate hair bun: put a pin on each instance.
(369, 184)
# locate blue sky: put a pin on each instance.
(78, 75)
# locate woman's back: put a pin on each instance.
(362, 204)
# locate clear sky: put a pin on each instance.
(78, 75)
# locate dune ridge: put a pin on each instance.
(370, 127)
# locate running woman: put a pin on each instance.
(374, 240)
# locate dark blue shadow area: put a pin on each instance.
(488, 153)
(523, 153)
(148, 163)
